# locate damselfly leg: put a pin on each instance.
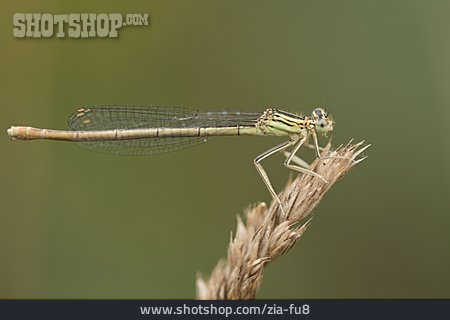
(290, 157)
(299, 168)
(263, 172)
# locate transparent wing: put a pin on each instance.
(134, 117)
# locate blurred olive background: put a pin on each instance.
(78, 224)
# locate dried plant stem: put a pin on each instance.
(268, 233)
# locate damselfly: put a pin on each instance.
(144, 130)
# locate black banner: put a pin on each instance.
(256, 309)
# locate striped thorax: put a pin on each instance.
(281, 123)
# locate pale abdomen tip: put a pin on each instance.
(12, 132)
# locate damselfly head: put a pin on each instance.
(323, 123)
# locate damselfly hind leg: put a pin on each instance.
(263, 172)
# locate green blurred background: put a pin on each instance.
(78, 224)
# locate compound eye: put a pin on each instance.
(318, 112)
